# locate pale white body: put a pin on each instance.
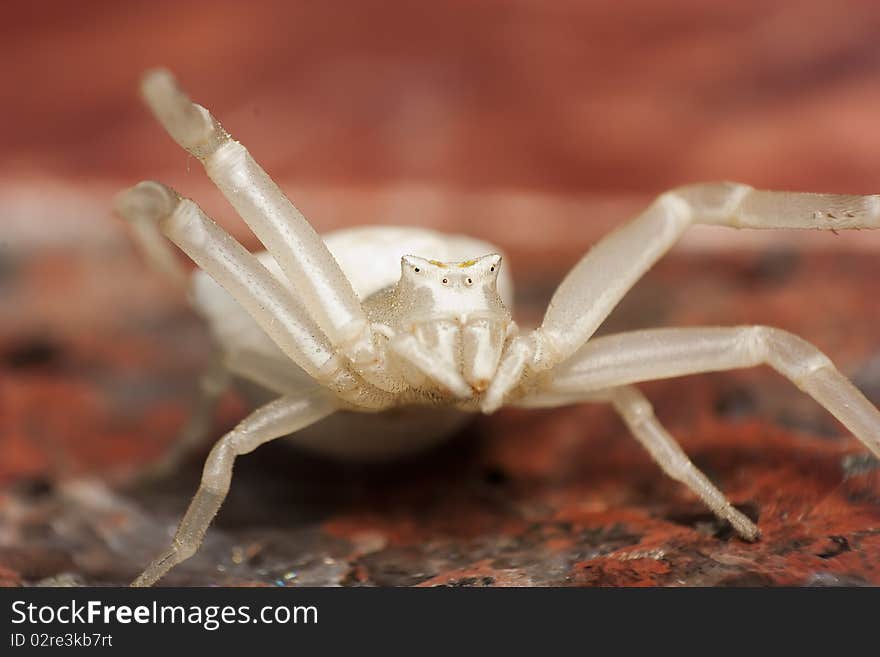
(412, 328)
(370, 258)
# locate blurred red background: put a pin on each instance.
(537, 125)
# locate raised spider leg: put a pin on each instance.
(262, 295)
(317, 279)
(155, 248)
(278, 418)
(614, 362)
(606, 273)
(639, 417)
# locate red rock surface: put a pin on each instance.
(535, 125)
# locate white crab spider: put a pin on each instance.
(412, 327)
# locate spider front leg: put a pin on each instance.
(609, 270)
(271, 304)
(639, 417)
(315, 277)
(274, 420)
(615, 362)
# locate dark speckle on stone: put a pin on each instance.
(608, 539)
(33, 489)
(817, 424)
(838, 545)
(401, 567)
(863, 495)
(854, 465)
(707, 522)
(32, 353)
(471, 581)
(567, 527)
(775, 266)
(792, 545)
(735, 403)
(495, 476)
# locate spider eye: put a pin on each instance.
(445, 281)
(417, 270)
(469, 281)
(492, 268)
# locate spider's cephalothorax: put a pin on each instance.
(445, 323)
(384, 358)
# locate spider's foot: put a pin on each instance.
(189, 124)
(148, 200)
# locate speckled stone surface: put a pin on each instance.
(539, 128)
(546, 497)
